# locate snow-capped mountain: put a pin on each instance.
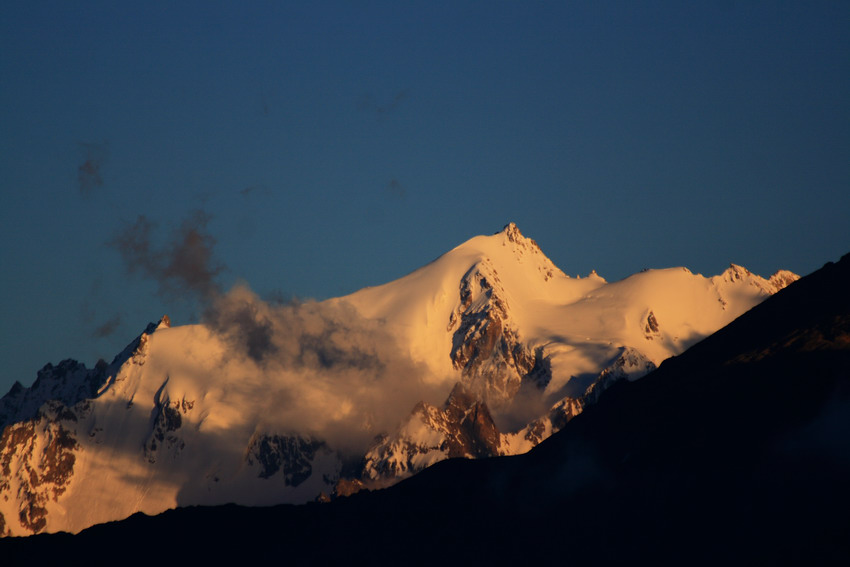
(737, 447)
(536, 345)
(488, 350)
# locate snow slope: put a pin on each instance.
(582, 324)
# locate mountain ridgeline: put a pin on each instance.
(487, 351)
(734, 450)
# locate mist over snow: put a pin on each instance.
(328, 371)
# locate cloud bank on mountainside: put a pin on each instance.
(328, 371)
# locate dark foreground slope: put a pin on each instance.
(737, 450)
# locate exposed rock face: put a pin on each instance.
(137, 351)
(290, 455)
(40, 440)
(486, 347)
(651, 330)
(67, 382)
(524, 246)
(780, 280)
(474, 434)
(347, 487)
(70, 382)
(463, 428)
(37, 460)
(167, 420)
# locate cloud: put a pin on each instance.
(184, 265)
(89, 172)
(189, 260)
(299, 334)
(108, 327)
(331, 372)
(244, 322)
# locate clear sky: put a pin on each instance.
(313, 148)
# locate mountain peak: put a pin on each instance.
(514, 236)
(511, 230)
(736, 272)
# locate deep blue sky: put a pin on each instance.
(334, 146)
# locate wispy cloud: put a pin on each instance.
(184, 264)
(89, 175)
(108, 327)
(335, 374)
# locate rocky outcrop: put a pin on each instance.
(739, 274)
(167, 421)
(651, 329)
(68, 383)
(524, 247)
(290, 455)
(37, 460)
(472, 433)
(137, 351)
(486, 346)
(462, 428)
